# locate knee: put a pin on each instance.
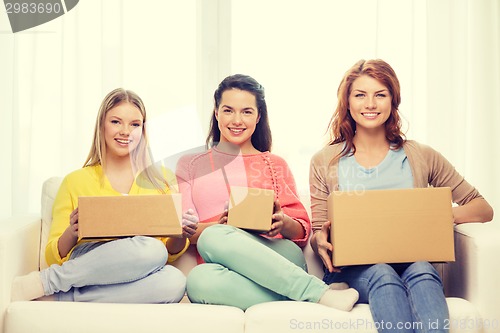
(421, 270)
(210, 239)
(201, 282)
(383, 274)
(173, 286)
(149, 251)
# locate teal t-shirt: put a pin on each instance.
(393, 172)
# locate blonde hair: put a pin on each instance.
(141, 157)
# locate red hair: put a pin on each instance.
(342, 127)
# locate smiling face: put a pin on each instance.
(122, 130)
(369, 103)
(237, 116)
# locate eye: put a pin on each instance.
(136, 125)
(359, 95)
(248, 112)
(381, 95)
(227, 110)
(114, 121)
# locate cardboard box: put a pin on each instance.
(391, 226)
(251, 208)
(129, 215)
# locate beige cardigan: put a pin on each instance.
(429, 168)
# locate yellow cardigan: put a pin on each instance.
(88, 181)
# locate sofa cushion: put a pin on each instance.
(79, 317)
(289, 316)
(49, 192)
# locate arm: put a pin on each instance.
(476, 210)
(472, 207)
(319, 191)
(61, 236)
(189, 225)
(290, 216)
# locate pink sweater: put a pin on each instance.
(204, 181)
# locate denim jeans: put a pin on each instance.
(402, 297)
(242, 269)
(128, 270)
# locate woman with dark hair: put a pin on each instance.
(237, 267)
(368, 151)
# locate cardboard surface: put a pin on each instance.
(251, 208)
(391, 226)
(129, 215)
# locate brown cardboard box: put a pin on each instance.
(391, 226)
(251, 208)
(129, 215)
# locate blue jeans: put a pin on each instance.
(128, 270)
(242, 269)
(402, 297)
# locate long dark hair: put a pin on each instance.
(261, 138)
(342, 127)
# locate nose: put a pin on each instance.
(237, 118)
(124, 130)
(370, 102)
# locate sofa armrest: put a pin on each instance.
(475, 274)
(19, 253)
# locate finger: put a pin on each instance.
(191, 218)
(223, 220)
(277, 206)
(226, 205)
(188, 231)
(326, 261)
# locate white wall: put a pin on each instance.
(174, 53)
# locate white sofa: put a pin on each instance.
(472, 284)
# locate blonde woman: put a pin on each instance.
(126, 270)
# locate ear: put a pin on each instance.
(258, 118)
(216, 113)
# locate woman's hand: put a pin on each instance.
(189, 223)
(278, 220)
(223, 217)
(325, 248)
(73, 223)
(69, 238)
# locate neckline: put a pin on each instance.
(215, 149)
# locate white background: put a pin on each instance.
(173, 53)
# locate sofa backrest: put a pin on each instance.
(49, 191)
(185, 263)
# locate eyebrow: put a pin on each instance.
(375, 91)
(230, 107)
(116, 117)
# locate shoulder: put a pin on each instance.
(415, 147)
(84, 174)
(327, 153)
(276, 159)
(190, 159)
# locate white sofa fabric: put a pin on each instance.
(471, 284)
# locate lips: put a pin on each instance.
(370, 115)
(236, 131)
(123, 142)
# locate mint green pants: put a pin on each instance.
(242, 269)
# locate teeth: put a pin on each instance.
(123, 141)
(373, 114)
(236, 130)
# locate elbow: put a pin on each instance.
(489, 214)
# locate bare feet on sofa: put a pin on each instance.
(27, 287)
(340, 299)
